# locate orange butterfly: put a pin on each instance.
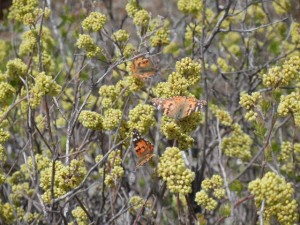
(143, 148)
(142, 68)
(179, 107)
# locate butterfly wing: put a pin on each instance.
(168, 106)
(143, 148)
(178, 107)
(142, 68)
(191, 105)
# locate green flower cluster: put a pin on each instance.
(44, 85)
(47, 61)
(30, 217)
(214, 68)
(273, 77)
(19, 180)
(4, 50)
(15, 68)
(136, 201)
(16, 177)
(190, 69)
(290, 70)
(250, 103)
(297, 119)
(256, 15)
(188, 72)
(141, 117)
(128, 85)
(125, 133)
(222, 115)
(6, 92)
(141, 18)
(223, 64)
(40, 122)
(128, 50)
(289, 104)
(115, 170)
(7, 213)
(111, 118)
(91, 120)
(20, 191)
(215, 184)
(179, 130)
(192, 31)
(211, 17)
(94, 22)
(98, 158)
(175, 86)
(289, 156)
(31, 18)
(85, 41)
(121, 36)
(238, 144)
(282, 7)
(3, 77)
(190, 6)
(4, 136)
(295, 33)
(282, 76)
(277, 195)
(132, 7)
(286, 151)
(172, 169)
(29, 46)
(108, 94)
(161, 36)
(210, 188)
(47, 40)
(235, 50)
(204, 200)
(20, 9)
(29, 42)
(42, 163)
(3, 159)
(111, 93)
(80, 216)
(66, 178)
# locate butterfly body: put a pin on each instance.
(178, 107)
(142, 68)
(143, 148)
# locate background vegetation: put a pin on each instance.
(70, 99)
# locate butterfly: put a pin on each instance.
(179, 107)
(142, 68)
(143, 148)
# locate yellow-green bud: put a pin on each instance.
(94, 22)
(91, 120)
